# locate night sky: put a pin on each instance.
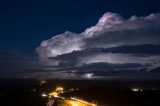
(126, 38)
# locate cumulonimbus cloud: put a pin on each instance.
(114, 46)
(106, 42)
(111, 30)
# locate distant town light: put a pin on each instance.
(56, 92)
(44, 95)
(136, 89)
(43, 82)
(34, 90)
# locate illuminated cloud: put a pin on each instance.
(89, 75)
(60, 44)
(105, 22)
(114, 47)
(111, 30)
(109, 41)
(117, 31)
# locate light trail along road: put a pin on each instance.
(56, 100)
(70, 102)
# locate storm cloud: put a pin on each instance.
(111, 30)
(113, 40)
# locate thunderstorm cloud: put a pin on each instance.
(110, 31)
(113, 45)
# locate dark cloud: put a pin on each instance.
(18, 65)
(113, 70)
(13, 63)
(147, 49)
(114, 46)
(110, 68)
(156, 70)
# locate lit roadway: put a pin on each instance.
(71, 102)
(61, 101)
(76, 103)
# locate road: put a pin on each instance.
(70, 102)
(78, 103)
(56, 100)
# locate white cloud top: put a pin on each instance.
(111, 30)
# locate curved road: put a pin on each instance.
(69, 102)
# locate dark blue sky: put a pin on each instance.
(25, 23)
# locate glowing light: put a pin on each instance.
(44, 95)
(73, 104)
(71, 89)
(89, 75)
(56, 92)
(43, 82)
(135, 89)
(34, 90)
(72, 98)
(82, 101)
(59, 89)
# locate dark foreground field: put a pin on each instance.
(20, 92)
